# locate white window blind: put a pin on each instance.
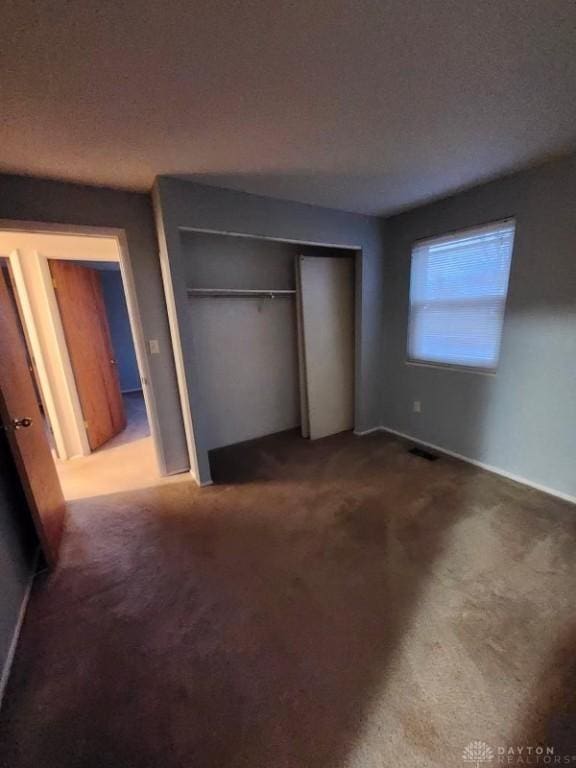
(458, 287)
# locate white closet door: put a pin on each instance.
(326, 287)
(304, 416)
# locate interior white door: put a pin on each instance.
(326, 295)
(304, 416)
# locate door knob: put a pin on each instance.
(112, 361)
(21, 423)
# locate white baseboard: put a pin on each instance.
(183, 471)
(16, 634)
(362, 432)
(482, 465)
(188, 471)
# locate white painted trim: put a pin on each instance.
(488, 467)
(182, 471)
(51, 228)
(174, 325)
(457, 234)
(140, 347)
(43, 330)
(290, 241)
(36, 352)
(451, 368)
(5, 674)
(179, 362)
(363, 432)
(56, 245)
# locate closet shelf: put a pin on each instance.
(240, 293)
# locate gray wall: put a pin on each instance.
(17, 547)
(182, 204)
(119, 324)
(29, 199)
(523, 419)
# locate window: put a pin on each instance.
(458, 287)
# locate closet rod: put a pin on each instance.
(228, 293)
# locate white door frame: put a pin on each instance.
(64, 436)
(126, 272)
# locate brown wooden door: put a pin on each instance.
(24, 425)
(79, 294)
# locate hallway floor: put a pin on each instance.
(336, 604)
(126, 462)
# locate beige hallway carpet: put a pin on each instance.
(338, 604)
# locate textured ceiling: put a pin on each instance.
(365, 105)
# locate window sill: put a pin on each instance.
(451, 368)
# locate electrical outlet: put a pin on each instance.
(154, 346)
(417, 406)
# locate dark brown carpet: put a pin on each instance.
(329, 604)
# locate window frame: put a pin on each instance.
(451, 235)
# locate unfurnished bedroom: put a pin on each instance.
(288, 385)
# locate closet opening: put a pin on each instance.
(272, 326)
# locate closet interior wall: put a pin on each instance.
(247, 372)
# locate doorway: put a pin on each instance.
(82, 334)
